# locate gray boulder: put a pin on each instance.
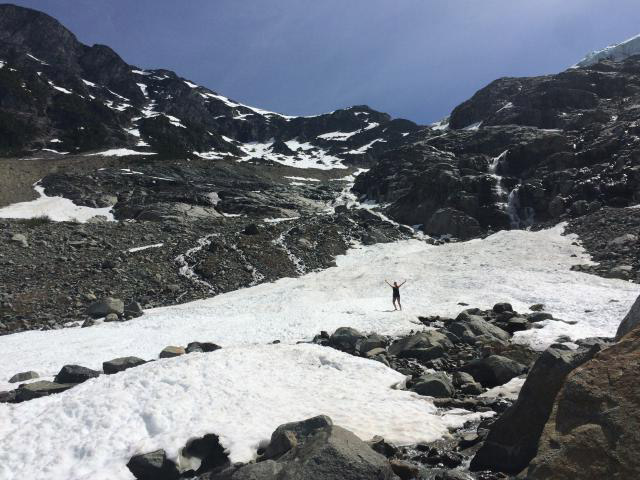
(539, 316)
(171, 351)
(630, 320)
(372, 341)
(120, 364)
(75, 374)
(502, 307)
(315, 449)
(424, 345)
(469, 327)
(20, 239)
(493, 370)
(513, 438)
(202, 347)
(23, 377)
(105, 306)
(41, 388)
(153, 466)
(345, 339)
(434, 385)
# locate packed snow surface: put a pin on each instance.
(58, 209)
(616, 52)
(240, 393)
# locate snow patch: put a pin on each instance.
(58, 209)
(120, 152)
(617, 52)
(139, 249)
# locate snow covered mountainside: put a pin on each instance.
(617, 52)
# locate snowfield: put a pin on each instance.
(245, 390)
(241, 393)
(58, 209)
(517, 266)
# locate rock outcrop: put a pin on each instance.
(594, 428)
(513, 438)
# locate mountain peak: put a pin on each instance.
(616, 52)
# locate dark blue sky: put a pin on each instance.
(415, 59)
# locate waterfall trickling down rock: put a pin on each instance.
(498, 190)
(519, 217)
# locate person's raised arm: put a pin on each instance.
(402, 283)
(388, 283)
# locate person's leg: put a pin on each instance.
(394, 303)
(399, 304)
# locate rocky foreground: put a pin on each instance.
(576, 397)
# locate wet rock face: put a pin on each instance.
(593, 430)
(542, 149)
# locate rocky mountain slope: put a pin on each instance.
(58, 95)
(520, 152)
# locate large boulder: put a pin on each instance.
(153, 466)
(493, 370)
(424, 345)
(345, 339)
(449, 221)
(594, 428)
(433, 385)
(513, 437)
(630, 321)
(75, 374)
(120, 364)
(23, 376)
(315, 449)
(102, 308)
(41, 388)
(469, 327)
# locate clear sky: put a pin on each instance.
(415, 59)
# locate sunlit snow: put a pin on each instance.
(121, 152)
(242, 394)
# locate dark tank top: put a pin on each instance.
(396, 291)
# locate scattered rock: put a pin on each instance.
(251, 229)
(536, 307)
(434, 385)
(539, 316)
(315, 449)
(383, 447)
(205, 347)
(404, 470)
(121, 364)
(75, 374)
(502, 307)
(41, 388)
(112, 317)
(171, 351)
(23, 377)
(20, 239)
(345, 339)
(493, 370)
(153, 466)
(104, 307)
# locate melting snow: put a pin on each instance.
(58, 209)
(242, 394)
(140, 72)
(121, 152)
(139, 249)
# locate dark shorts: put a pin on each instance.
(396, 297)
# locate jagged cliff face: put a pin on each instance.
(520, 151)
(58, 94)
